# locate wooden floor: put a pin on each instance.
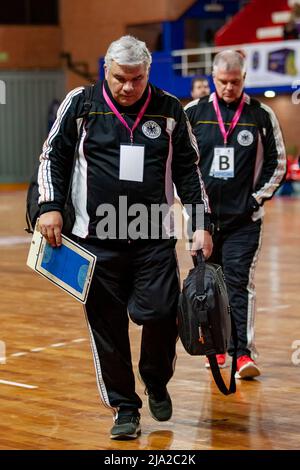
(47, 347)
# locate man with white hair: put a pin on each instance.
(134, 144)
(242, 160)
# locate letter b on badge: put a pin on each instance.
(224, 163)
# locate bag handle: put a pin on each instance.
(199, 264)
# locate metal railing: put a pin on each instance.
(197, 61)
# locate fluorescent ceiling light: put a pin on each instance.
(270, 94)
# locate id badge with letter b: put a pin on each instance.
(223, 163)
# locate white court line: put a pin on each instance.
(19, 354)
(35, 350)
(10, 241)
(277, 307)
(54, 345)
(16, 384)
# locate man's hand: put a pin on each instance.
(50, 225)
(202, 241)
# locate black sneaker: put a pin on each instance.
(160, 405)
(125, 428)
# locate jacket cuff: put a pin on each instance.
(49, 206)
(259, 201)
(253, 204)
(207, 221)
(205, 225)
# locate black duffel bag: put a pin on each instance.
(204, 317)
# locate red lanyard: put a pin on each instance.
(235, 119)
(120, 117)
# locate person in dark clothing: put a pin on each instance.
(243, 162)
(135, 142)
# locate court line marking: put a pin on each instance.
(17, 384)
(54, 345)
(18, 354)
(10, 241)
(35, 350)
(276, 307)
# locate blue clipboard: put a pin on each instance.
(69, 266)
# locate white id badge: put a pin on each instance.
(223, 163)
(132, 162)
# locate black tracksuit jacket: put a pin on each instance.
(260, 161)
(171, 155)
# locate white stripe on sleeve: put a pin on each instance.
(44, 176)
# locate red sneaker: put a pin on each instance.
(246, 368)
(221, 360)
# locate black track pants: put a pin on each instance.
(141, 279)
(237, 252)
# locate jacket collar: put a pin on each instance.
(211, 97)
(133, 109)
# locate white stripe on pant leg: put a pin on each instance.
(179, 286)
(252, 301)
(101, 385)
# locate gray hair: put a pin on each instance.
(128, 51)
(229, 60)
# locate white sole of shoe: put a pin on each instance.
(223, 366)
(248, 371)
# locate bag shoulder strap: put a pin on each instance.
(199, 263)
(88, 99)
(216, 370)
